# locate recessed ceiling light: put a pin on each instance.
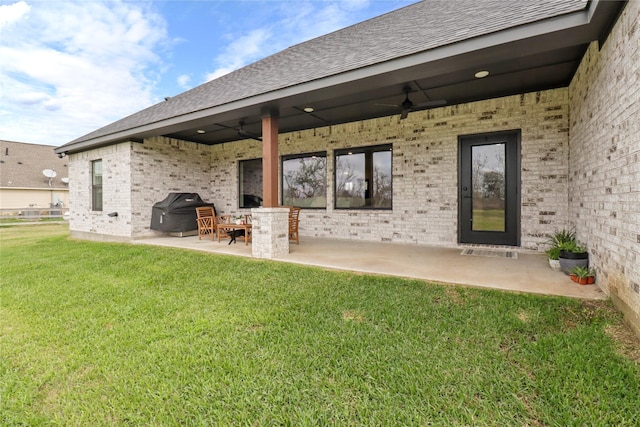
(200, 131)
(481, 74)
(308, 109)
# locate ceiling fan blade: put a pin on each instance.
(429, 104)
(388, 105)
(250, 135)
(408, 106)
(245, 134)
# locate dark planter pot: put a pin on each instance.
(574, 255)
(568, 260)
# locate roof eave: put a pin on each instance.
(575, 25)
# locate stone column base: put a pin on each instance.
(269, 232)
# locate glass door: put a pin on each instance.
(489, 182)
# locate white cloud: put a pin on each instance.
(297, 24)
(184, 80)
(70, 67)
(242, 51)
(10, 13)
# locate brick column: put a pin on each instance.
(270, 232)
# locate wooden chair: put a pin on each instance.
(294, 220)
(206, 218)
(223, 233)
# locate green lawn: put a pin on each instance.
(488, 220)
(104, 334)
(18, 220)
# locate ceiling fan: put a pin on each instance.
(245, 134)
(408, 106)
(241, 132)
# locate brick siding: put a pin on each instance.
(604, 179)
(97, 225)
(425, 158)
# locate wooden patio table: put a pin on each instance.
(229, 228)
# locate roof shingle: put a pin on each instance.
(422, 26)
(22, 165)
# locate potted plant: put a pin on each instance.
(573, 254)
(573, 276)
(555, 241)
(553, 255)
(582, 275)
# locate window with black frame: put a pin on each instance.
(363, 178)
(250, 183)
(96, 185)
(304, 180)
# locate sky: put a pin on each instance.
(68, 68)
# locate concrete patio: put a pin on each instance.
(526, 272)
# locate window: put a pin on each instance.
(304, 180)
(96, 185)
(250, 182)
(363, 178)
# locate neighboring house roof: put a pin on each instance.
(344, 72)
(22, 166)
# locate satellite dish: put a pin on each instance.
(49, 173)
(65, 180)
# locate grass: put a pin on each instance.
(14, 220)
(107, 334)
(488, 220)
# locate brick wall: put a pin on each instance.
(161, 166)
(605, 160)
(425, 156)
(116, 193)
(224, 172)
(425, 159)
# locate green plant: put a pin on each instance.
(553, 253)
(574, 246)
(558, 240)
(580, 248)
(582, 272)
(561, 236)
(567, 246)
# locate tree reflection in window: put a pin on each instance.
(363, 178)
(304, 180)
(488, 183)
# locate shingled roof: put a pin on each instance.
(417, 28)
(21, 166)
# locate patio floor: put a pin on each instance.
(528, 272)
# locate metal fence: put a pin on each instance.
(34, 214)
